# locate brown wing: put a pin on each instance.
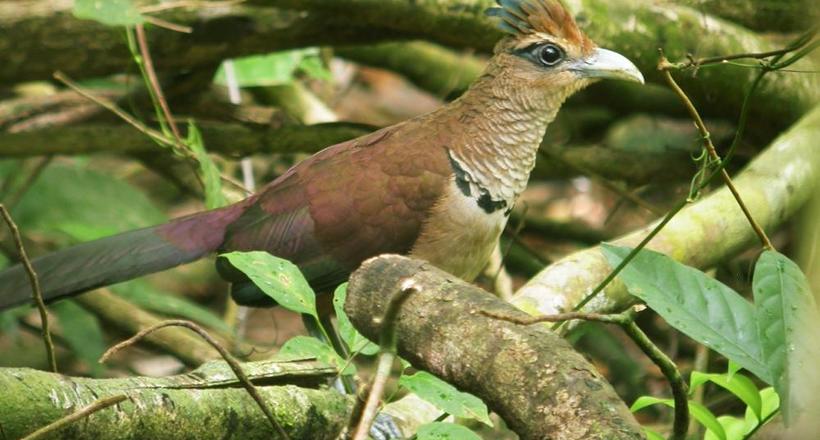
(348, 202)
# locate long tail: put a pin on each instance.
(118, 258)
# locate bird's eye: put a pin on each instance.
(550, 54)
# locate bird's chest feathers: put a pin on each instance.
(460, 234)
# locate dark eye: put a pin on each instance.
(550, 54)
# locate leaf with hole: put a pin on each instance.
(278, 278)
(354, 340)
(446, 397)
(694, 303)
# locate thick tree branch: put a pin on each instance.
(636, 150)
(230, 139)
(530, 376)
(39, 30)
(775, 185)
(207, 403)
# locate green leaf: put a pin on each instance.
(446, 397)
(82, 332)
(306, 346)
(770, 404)
(732, 368)
(445, 431)
(278, 278)
(108, 12)
(785, 307)
(735, 428)
(694, 303)
(143, 294)
(315, 68)
(265, 70)
(739, 385)
(698, 411)
(652, 435)
(211, 176)
(354, 340)
(58, 206)
(9, 320)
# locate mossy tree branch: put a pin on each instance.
(207, 403)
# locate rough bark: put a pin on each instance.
(774, 186)
(207, 403)
(530, 376)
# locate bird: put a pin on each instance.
(439, 187)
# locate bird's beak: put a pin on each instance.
(606, 64)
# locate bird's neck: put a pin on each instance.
(500, 127)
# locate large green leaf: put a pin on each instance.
(786, 311)
(278, 278)
(698, 411)
(82, 332)
(146, 296)
(446, 397)
(70, 203)
(306, 346)
(354, 340)
(694, 303)
(445, 431)
(108, 12)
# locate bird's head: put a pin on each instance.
(546, 51)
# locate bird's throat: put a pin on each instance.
(501, 129)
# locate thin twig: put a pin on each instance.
(679, 392)
(387, 343)
(710, 147)
(77, 415)
(619, 318)
(743, 121)
(37, 293)
(155, 135)
(232, 362)
(158, 22)
(113, 108)
(153, 81)
(697, 63)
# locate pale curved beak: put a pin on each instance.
(606, 64)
